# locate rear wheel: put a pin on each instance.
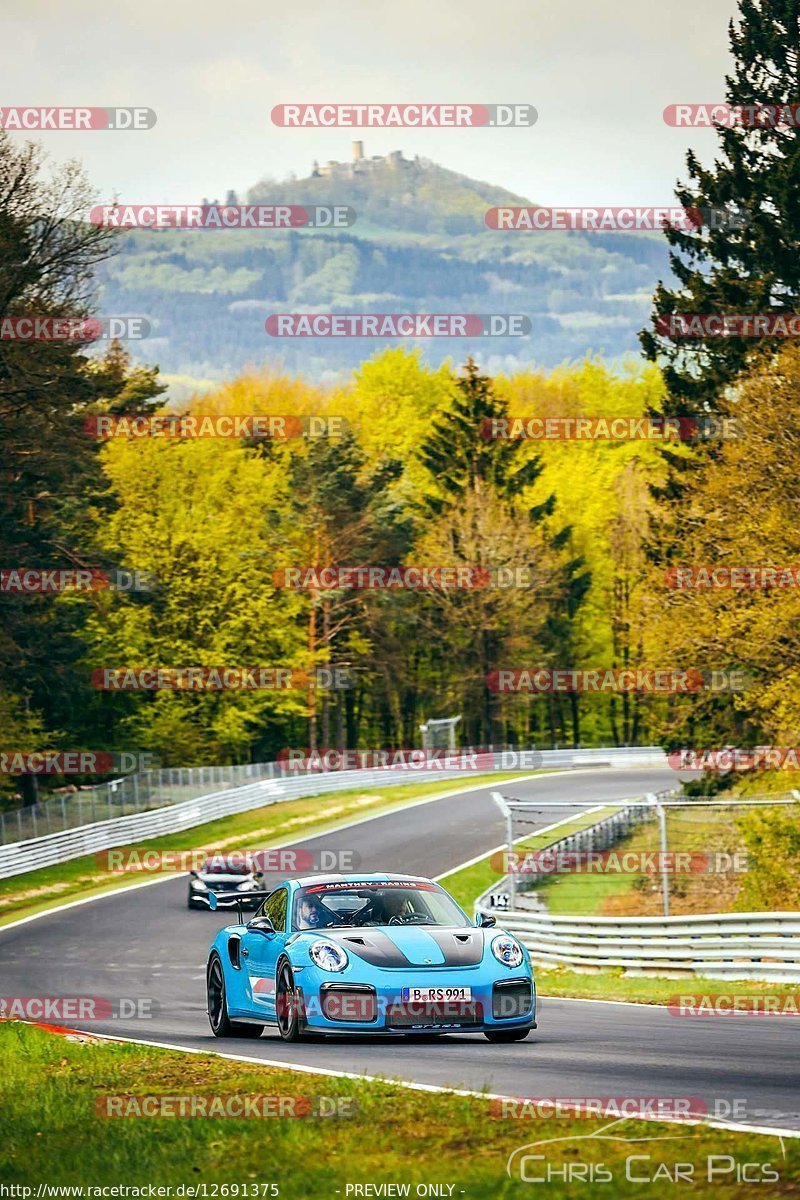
(287, 1009)
(506, 1035)
(221, 1024)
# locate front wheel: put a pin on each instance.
(506, 1035)
(287, 1009)
(221, 1024)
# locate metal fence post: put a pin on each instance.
(662, 820)
(500, 801)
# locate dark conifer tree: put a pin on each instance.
(745, 257)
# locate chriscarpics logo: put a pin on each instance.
(615, 1154)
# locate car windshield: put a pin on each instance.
(223, 866)
(334, 905)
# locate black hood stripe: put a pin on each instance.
(461, 947)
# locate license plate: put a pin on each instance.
(435, 995)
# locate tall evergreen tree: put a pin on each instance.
(749, 262)
(461, 457)
(475, 476)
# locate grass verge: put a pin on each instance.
(53, 1092)
(706, 878)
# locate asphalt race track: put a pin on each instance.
(146, 943)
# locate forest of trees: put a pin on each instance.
(594, 526)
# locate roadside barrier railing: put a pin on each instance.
(737, 945)
(184, 798)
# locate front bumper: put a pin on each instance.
(358, 1005)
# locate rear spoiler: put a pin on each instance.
(239, 897)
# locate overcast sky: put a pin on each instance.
(599, 73)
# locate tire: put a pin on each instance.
(287, 1009)
(220, 1022)
(190, 902)
(506, 1035)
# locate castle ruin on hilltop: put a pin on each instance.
(360, 165)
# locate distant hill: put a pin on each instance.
(419, 244)
(394, 193)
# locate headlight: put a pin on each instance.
(197, 885)
(249, 886)
(328, 956)
(507, 950)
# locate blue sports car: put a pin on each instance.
(371, 953)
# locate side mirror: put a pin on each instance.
(262, 925)
(485, 921)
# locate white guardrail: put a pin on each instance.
(757, 946)
(18, 857)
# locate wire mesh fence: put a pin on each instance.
(130, 794)
(660, 853)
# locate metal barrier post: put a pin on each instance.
(509, 818)
(662, 820)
